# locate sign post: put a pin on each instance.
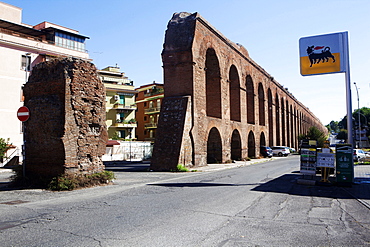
(308, 157)
(326, 54)
(325, 160)
(23, 115)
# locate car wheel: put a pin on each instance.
(280, 154)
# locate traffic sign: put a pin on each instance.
(23, 113)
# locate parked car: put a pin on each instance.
(266, 151)
(358, 155)
(280, 151)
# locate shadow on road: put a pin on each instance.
(287, 184)
(123, 166)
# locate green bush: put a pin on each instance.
(180, 168)
(76, 181)
(4, 145)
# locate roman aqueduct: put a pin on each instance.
(219, 104)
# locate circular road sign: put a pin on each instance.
(23, 113)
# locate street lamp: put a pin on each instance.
(358, 110)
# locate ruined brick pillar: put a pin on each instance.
(66, 131)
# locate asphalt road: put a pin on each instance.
(255, 205)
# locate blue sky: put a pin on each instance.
(131, 33)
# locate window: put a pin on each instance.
(122, 133)
(69, 41)
(120, 117)
(122, 99)
(26, 63)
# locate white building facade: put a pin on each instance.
(21, 47)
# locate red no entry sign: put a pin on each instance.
(23, 113)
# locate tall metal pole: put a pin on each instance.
(359, 121)
(348, 88)
(23, 123)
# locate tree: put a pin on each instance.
(334, 126)
(314, 133)
(343, 134)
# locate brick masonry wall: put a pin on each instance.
(197, 60)
(66, 131)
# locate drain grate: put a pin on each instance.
(14, 202)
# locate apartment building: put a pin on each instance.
(21, 47)
(148, 101)
(120, 104)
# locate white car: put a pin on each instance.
(280, 151)
(358, 155)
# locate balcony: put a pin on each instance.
(152, 110)
(150, 125)
(124, 107)
(154, 92)
(124, 124)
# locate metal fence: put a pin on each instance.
(129, 151)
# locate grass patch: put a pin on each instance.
(180, 168)
(78, 181)
(362, 163)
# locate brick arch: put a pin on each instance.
(234, 94)
(251, 145)
(261, 104)
(201, 69)
(213, 84)
(288, 129)
(262, 139)
(270, 117)
(283, 122)
(236, 145)
(250, 99)
(292, 133)
(214, 146)
(277, 119)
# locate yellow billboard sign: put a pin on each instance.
(322, 54)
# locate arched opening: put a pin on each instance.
(234, 94)
(270, 118)
(214, 146)
(292, 131)
(236, 146)
(250, 100)
(261, 104)
(251, 145)
(283, 123)
(277, 120)
(213, 85)
(262, 139)
(288, 129)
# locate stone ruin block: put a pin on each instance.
(66, 131)
(175, 145)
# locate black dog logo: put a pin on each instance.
(324, 56)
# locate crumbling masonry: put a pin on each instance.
(219, 104)
(66, 131)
